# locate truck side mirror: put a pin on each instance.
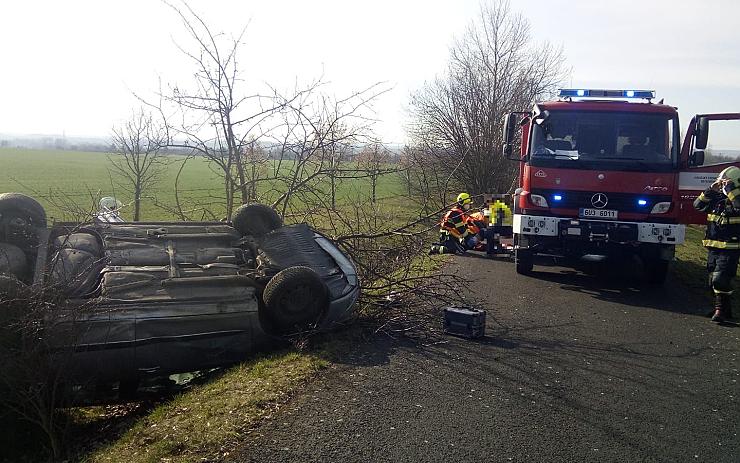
(508, 135)
(511, 124)
(696, 158)
(701, 133)
(509, 128)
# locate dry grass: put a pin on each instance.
(207, 421)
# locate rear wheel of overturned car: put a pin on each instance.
(256, 219)
(13, 260)
(294, 301)
(10, 288)
(13, 304)
(24, 207)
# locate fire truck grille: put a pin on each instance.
(623, 202)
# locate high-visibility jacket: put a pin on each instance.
(476, 222)
(723, 218)
(455, 223)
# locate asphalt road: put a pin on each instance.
(575, 367)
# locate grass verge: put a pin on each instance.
(206, 422)
(690, 266)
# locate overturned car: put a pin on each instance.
(170, 297)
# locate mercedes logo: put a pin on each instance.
(599, 200)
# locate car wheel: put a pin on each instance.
(13, 260)
(25, 206)
(294, 300)
(14, 300)
(256, 219)
(10, 288)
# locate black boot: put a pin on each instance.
(719, 304)
(438, 249)
(727, 306)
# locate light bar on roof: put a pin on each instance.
(600, 93)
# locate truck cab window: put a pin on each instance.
(615, 141)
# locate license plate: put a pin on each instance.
(597, 213)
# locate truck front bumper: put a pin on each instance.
(599, 230)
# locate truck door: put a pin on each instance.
(694, 176)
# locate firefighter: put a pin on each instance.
(455, 236)
(721, 201)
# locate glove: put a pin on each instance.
(728, 187)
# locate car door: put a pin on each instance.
(695, 176)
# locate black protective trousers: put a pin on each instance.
(722, 267)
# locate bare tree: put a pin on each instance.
(218, 115)
(494, 68)
(373, 160)
(39, 335)
(266, 145)
(138, 159)
(315, 137)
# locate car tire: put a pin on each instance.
(10, 288)
(13, 261)
(524, 261)
(294, 300)
(256, 219)
(25, 205)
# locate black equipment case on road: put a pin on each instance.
(465, 321)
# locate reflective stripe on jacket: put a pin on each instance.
(454, 223)
(723, 218)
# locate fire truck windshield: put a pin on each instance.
(605, 140)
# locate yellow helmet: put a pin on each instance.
(464, 198)
(731, 173)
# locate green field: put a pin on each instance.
(60, 179)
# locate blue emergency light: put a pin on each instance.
(557, 197)
(601, 93)
(642, 202)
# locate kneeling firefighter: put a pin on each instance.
(455, 236)
(721, 201)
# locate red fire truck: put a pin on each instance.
(603, 174)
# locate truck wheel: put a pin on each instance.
(256, 219)
(524, 261)
(294, 300)
(656, 271)
(23, 206)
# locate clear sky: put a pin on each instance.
(71, 65)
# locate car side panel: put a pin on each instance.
(182, 337)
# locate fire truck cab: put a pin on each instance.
(603, 174)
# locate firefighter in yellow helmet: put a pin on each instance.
(721, 202)
(455, 236)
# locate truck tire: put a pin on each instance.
(656, 270)
(524, 261)
(256, 220)
(25, 206)
(294, 300)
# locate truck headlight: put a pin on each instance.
(538, 200)
(661, 208)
